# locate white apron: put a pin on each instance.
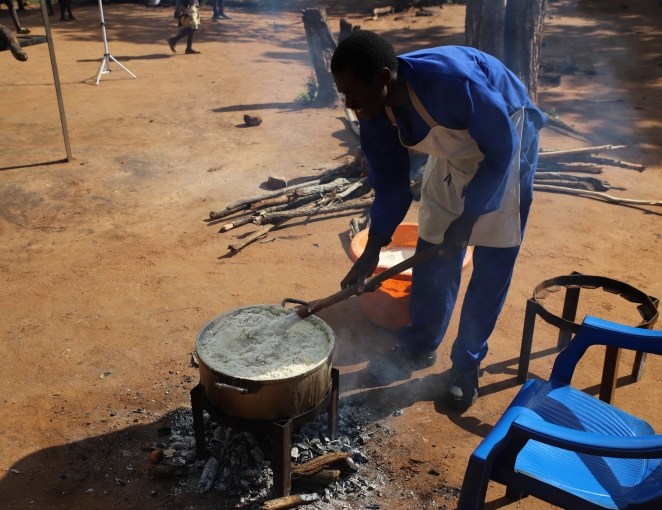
(454, 158)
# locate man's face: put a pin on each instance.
(366, 98)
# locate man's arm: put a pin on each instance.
(490, 126)
(389, 175)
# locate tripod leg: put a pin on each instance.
(104, 61)
(115, 60)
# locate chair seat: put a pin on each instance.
(607, 482)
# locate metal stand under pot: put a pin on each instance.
(281, 430)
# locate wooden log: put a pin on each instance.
(242, 220)
(352, 188)
(381, 11)
(321, 46)
(8, 41)
(262, 219)
(576, 152)
(325, 477)
(323, 188)
(289, 501)
(568, 184)
(598, 184)
(244, 203)
(216, 215)
(283, 199)
(610, 162)
(253, 237)
(550, 166)
(346, 28)
(596, 194)
(318, 464)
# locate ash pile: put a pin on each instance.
(239, 463)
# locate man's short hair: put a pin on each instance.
(365, 53)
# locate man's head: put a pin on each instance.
(363, 66)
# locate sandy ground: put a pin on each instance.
(108, 269)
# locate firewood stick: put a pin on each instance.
(262, 219)
(289, 501)
(325, 477)
(283, 199)
(215, 215)
(244, 220)
(568, 167)
(237, 205)
(318, 464)
(544, 178)
(569, 184)
(352, 188)
(253, 237)
(608, 198)
(574, 152)
(323, 188)
(610, 162)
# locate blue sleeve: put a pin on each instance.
(389, 174)
(490, 126)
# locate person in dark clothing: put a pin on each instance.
(219, 10)
(475, 120)
(190, 20)
(65, 4)
(14, 17)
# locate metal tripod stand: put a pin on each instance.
(104, 68)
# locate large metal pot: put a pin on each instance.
(271, 399)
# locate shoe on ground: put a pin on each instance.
(171, 43)
(192, 51)
(463, 387)
(397, 365)
(224, 16)
(72, 18)
(64, 19)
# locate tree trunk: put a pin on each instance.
(524, 24)
(321, 45)
(346, 28)
(510, 30)
(485, 24)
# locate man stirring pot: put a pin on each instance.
(477, 123)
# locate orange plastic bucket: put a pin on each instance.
(388, 306)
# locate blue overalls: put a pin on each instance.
(462, 89)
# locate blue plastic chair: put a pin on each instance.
(568, 448)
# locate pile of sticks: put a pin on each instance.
(550, 174)
(330, 193)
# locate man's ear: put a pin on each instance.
(384, 76)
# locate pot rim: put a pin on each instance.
(265, 382)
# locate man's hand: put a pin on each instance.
(366, 263)
(457, 236)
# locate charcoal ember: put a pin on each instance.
(257, 456)
(208, 475)
(219, 434)
(359, 456)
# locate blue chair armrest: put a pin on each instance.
(641, 447)
(594, 331)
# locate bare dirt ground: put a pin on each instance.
(107, 268)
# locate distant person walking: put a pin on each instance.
(14, 17)
(219, 10)
(190, 20)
